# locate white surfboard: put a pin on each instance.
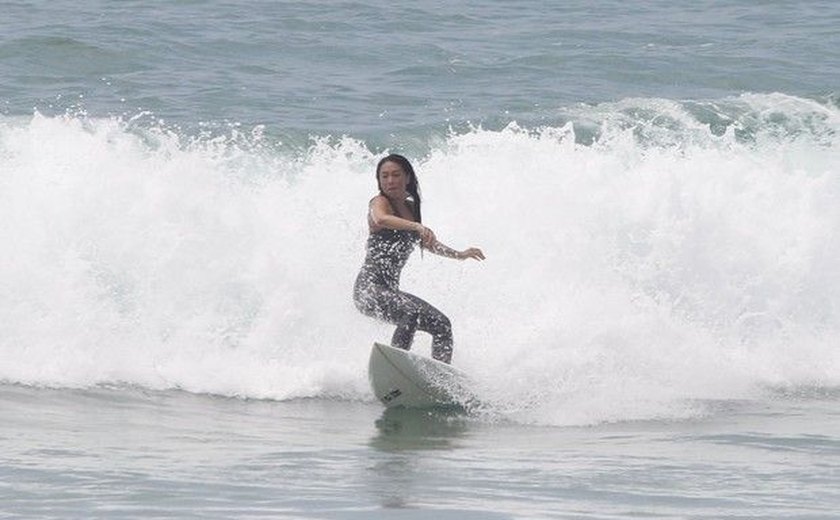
(401, 378)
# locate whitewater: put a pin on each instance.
(660, 264)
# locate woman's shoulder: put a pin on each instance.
(379, 199)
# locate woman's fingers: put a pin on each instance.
(474, 253)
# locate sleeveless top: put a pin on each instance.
(387, 253)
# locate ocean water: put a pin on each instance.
(654, 333)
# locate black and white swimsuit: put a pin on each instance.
(377, 293)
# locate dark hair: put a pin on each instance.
(413, 188)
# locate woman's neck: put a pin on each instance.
(399, 199)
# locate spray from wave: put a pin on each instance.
(643, 257)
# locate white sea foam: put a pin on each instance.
(664, 264)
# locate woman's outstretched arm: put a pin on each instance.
(439, 248)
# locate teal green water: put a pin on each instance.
(374, 68)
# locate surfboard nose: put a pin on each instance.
(401, 378)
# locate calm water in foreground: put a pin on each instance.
(129, 453)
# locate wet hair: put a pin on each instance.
(413, 188)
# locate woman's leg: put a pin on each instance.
(425, 317)
(409, 313)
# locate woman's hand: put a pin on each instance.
(473, 252)
(427, 236)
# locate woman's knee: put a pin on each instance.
(366, 305)
(439, 325)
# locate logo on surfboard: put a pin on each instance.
(393, 394)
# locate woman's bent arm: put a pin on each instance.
(382, 216)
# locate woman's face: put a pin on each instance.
(393, 180)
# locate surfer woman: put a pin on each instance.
(396, 227)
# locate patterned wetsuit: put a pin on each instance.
(377, 293)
